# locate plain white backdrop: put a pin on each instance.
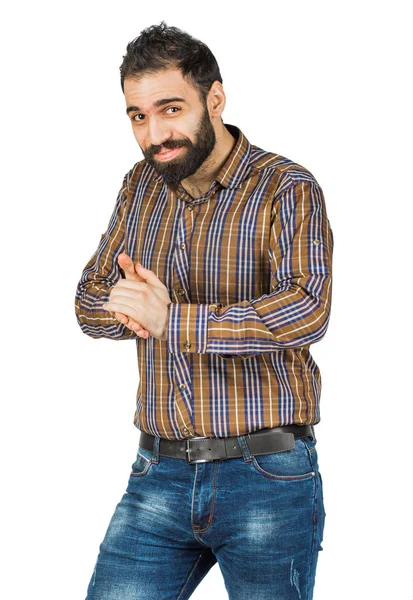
(323, 83)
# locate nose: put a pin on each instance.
(157, 133)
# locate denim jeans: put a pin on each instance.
(260, 517)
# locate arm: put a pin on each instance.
(100, 275)
(296, 313)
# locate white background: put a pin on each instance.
(322, 83)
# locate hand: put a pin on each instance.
(140, 301)
(131, 272)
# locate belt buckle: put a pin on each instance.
(190, 460)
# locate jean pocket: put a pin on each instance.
(142, 464)
(310, 443)
(291, 465)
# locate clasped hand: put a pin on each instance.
(140, 301)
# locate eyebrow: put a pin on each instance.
(157, 103)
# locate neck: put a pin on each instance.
(201, 180)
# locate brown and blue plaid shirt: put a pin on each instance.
(248, 267)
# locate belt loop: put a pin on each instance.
(312, 429)
(155, 449)
(242, 442)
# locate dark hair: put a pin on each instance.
(161, 47)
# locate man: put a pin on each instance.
(217, 260)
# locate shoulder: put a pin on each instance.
(141, 173)
(132, 175)
(284, 172)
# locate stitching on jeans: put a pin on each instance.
(260, 469)
(193, 495)
(196, 536)
(190, 573)
(196, 528)
(147, 459)
(145, 470)
(312, 553)
(304, 476)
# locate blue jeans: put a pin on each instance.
(260, 517)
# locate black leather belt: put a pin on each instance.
(204, 449)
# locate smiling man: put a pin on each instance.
(217, 261)
(191, 145)
(190, 151)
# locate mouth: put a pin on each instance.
(168, 154)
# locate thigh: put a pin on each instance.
(147, 551)
(275, 527)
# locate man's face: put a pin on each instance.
(170, 123)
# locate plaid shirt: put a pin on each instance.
(248, 267)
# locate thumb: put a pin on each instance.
(148, 275)
(126, 263)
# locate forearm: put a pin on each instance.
(99, 276)
(285, 319)
(92, 318)
(296, 313)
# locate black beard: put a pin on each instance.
(175, 170)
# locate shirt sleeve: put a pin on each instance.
(100, 275)
(296, 313)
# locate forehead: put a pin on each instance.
(147, 89)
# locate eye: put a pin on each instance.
(137, 118)
(173, 108)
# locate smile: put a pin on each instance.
(168, 154)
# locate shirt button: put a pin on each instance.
(216, 306)
(182, 246)
(182, 386)
(181, 292)
(190, 207)
(185, 431)
(316, 242)
(187, 344)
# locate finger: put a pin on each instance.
(140, 331)
(125, 309)
(126, 263)
(130, 284)
(148, 275)
(132, 291)
(122, 318)
(132, 306)
(132, 324)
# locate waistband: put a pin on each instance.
(205, 449)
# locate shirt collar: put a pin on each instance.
(238, 166)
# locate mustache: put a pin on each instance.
(168, 145)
